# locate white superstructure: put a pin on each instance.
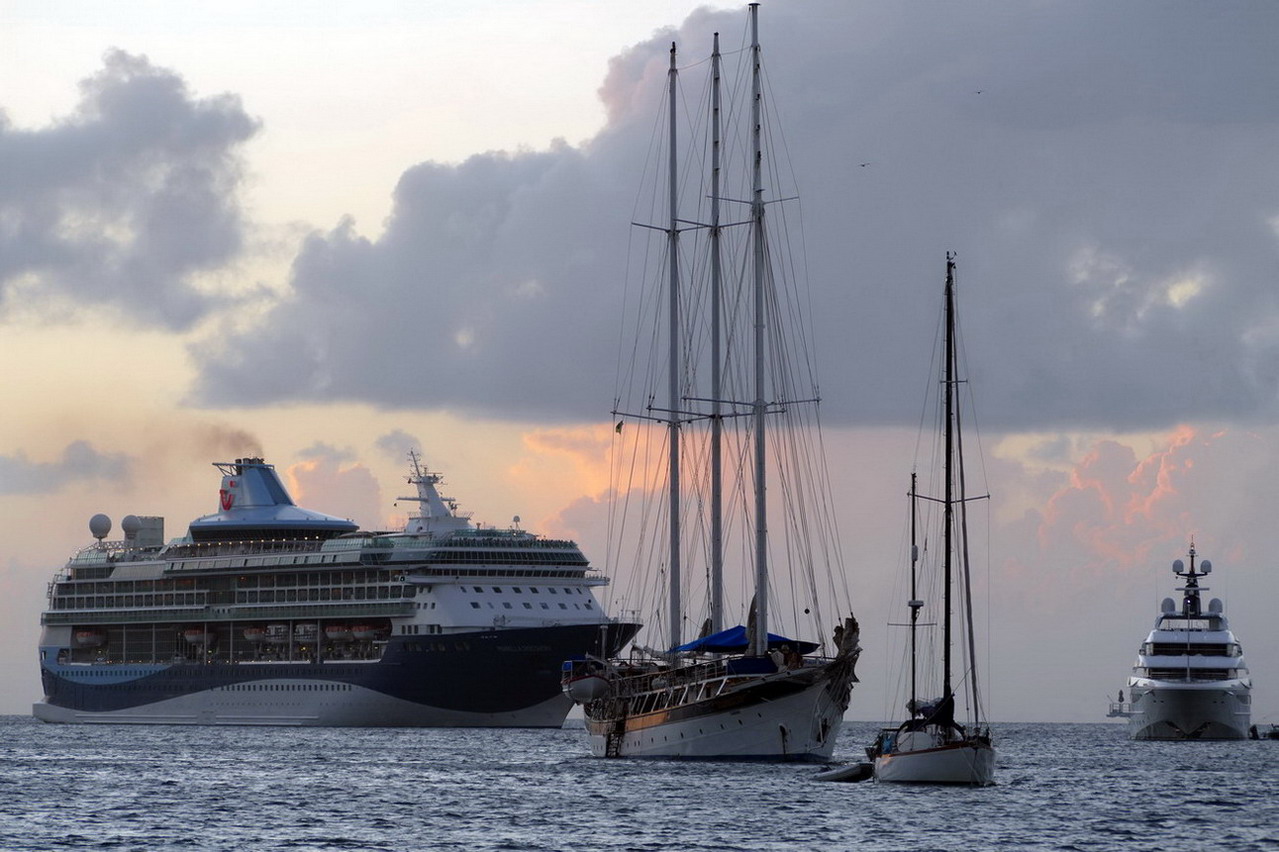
(1190, 681)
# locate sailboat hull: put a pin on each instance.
(967, 762)
(786, 716)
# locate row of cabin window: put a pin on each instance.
(519, 591)
(507, 605)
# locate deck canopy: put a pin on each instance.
(735, 641)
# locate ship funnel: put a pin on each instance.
(253, 504)
(251, 484)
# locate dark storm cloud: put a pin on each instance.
(79, 462)
(1106, 173)
(123, 202)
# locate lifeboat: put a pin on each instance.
(586, 688)
(256, 635)
(89, 638)
(197, 635)
(365, 632)
(337, 633)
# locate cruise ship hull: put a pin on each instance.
(1209, 711)
(506, 678)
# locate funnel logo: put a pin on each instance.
(226, 498)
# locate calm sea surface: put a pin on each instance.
(1060, 787)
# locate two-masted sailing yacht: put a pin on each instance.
(931, 746)
(739, 691)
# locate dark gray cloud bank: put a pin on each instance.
(1106, 172)
(79, 462)
(125, 202)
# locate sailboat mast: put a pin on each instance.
(717, 421)
(915, 603)
(965, 566)
(760, 644)
(673, 376)
(949, 500)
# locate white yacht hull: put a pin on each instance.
(1191, 711)
(920, 758)
(755, 723)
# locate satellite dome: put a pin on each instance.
(1215, 606)
(1168, 605)
(1178, 566)
(99, 525)
(1205, 567)
(130, 524)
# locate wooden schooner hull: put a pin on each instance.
(788, 715)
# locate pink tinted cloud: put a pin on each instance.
(324, 485)
(1116, 511)
(1115, 508)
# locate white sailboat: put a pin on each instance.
(931, 746)
(732, 692)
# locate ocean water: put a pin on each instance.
(1060, 786)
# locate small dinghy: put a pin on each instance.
(851, 772)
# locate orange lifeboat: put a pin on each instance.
(337, 633)
(89, 638)
(365, 632)
(197, 635)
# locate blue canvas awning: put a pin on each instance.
(734, 641)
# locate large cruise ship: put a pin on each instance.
(1190, 681)
(266, 613)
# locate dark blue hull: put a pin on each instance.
(506, 678)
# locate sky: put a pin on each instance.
(326, 235)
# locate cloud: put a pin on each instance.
(1084, 551)
(325, 484)
(216, 441)
(79, 462)
(397, 444)
(1112, 207)
(322, 452)
(126, 203)
(1117, 512)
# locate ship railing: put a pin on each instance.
(196, 549)
(1184, 649)
(590, 576)
(1192, 675)
(121, 616)
(646, 679)
(239, 612)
